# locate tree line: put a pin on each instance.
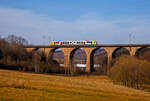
(15, 57)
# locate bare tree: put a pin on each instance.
(13, 39)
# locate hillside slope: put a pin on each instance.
(18, 86)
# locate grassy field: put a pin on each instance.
(18, 86)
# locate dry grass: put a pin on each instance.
(18, 86)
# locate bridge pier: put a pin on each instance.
(132, 50)
(88, 52)
(47, 52)
(109, 51)
(67, 59)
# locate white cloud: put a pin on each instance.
(87, 27)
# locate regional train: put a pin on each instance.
(87, 42)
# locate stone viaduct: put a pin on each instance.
(89, 50)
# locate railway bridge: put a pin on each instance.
(69, 50)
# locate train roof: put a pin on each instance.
(75, 40)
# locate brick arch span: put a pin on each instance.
(34, 52)
(92, 58)
(50, 55)
(72, 53)
(141, 49)
(49, 51)
(109, 51)
(123, 51)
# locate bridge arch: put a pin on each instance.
(56, 55)
(120, 51)
(98, 60)
(137, 53)
(117, 53)
(78, 58)
(35, 52)
(51, 53)
(143, 53)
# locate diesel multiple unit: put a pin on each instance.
(87, 42)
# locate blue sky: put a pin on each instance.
(106, 21)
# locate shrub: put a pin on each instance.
(130, 72)
(145, 56)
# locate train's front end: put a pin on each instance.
(93, 42)
(52, 43)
